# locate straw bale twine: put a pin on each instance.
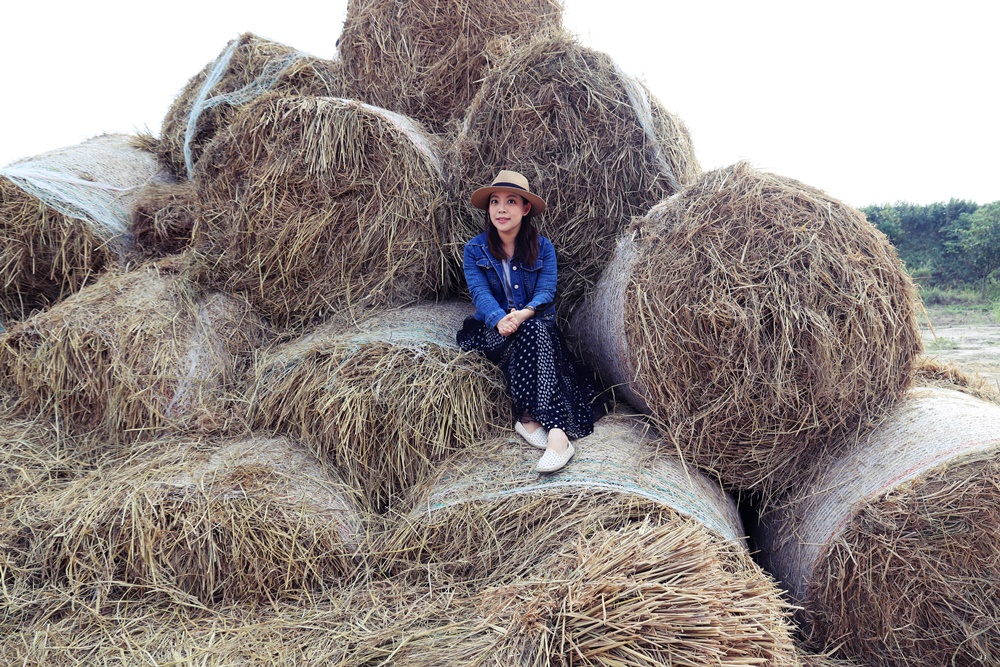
(382, 400)
(892, 548)
(754, 318)
(163, 219)
(425, 59)
(620, 558)
(314, 204)
(132, 355)
(217, 520)
(64, 218)
(245, 69)
(593, 142)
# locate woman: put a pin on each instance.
(511, 274)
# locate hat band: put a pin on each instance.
(509, 185)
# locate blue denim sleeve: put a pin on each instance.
(545, 288)
(479, 288)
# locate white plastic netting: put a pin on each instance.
(932, 428)
(95, 181)
(639, 99)
(617, 457)
(271, 73)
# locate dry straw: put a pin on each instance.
(218, 520)
(163, 218)
(891, 549)
(132, 355)
(754, 318)
(619, 559)
(311, 205)
(247, 68)
(807, 659)
(384, 400)
(931, 371)
(34, 455)
(359, 624)
(64, 217)
(426, 59)
(591, 140)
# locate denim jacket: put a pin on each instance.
(533, 286)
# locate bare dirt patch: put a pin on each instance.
(969, 338)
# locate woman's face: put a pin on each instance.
(507, 209)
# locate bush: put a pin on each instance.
(950, 296)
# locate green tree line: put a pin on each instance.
(944, 244)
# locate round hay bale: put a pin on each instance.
(163, 219)
(217, 520)
(360, 623)
(618, 557)
(64, 218)
(384, 400)
(132, 355)
(593, 142)
(247, 68)
(424, 59)
(315, 204)
(474, 514)
(755, 318)
(892, 548)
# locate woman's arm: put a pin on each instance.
(479, 288)
(545, 286)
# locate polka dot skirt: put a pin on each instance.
(543, 379)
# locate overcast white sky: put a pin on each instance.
(871, 100)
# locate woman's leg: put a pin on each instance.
(543, 383)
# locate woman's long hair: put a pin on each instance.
(525, 245)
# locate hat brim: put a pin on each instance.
(481, 197)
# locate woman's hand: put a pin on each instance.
(513, 320)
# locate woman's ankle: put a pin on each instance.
(558, 440)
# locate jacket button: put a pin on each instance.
(516, 286)
(513, 268)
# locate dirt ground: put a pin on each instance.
(968, 338)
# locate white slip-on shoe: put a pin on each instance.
(539, 438)
(552, 461)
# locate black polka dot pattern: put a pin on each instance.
(543, 379)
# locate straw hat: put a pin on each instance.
(507, 180)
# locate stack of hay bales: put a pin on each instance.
(755, 319)
(425, 59)
(64, 218)
(892, 548)
(591, 140)
(218, 520)
(383, 400)
(310, 205)
(132, 355)
(759, 323)
(622, 558)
